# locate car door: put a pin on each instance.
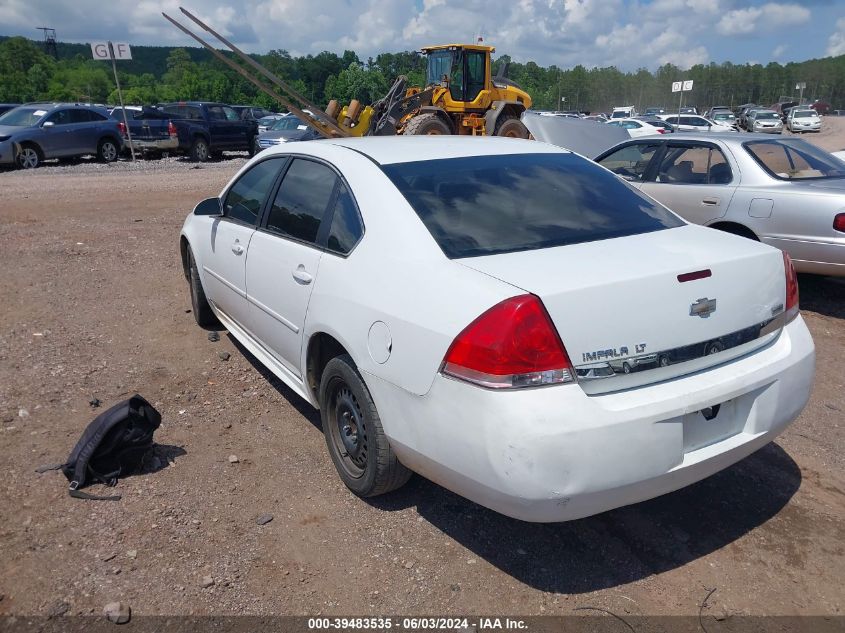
(284, 258)
(223, 258)
(240, 131)
(694, 179)
(631, 161)
(55, 139)
(219, 128)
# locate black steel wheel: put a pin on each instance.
(203, 314)
(354, 435)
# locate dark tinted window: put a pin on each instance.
(247, 195)
(302, 200)
(346, 227)
(60, 117)
(475, 73)
(498, 204)
(79, 116)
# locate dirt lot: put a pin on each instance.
(95, 306)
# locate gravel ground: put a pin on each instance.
(95, 306)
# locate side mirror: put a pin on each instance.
(47, 124)
(209, 206)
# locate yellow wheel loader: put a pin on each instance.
(460, 96)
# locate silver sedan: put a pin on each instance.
(781, 191)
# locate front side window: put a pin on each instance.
(475, 74)
(794, 159)
(439, 64)
(302, 201)
(244, 200)
(631, 161)
(59, 117)
(697, 165)
(485, 205)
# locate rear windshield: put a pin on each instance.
(485, 205)
(22, 117)
(794, 159)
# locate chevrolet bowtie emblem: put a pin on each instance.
(703, 308)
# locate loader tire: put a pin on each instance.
(429, 124)
(511, 127)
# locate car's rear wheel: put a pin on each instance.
(28, 157)
(354, 435)
(203, 314)
(199, 150)
(107, 150)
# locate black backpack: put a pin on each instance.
(113, 445)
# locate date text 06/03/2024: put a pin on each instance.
(416, 624)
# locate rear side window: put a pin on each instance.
(794, 159)
(302, 201)
(498, 204)
(247, 195)
(346, 227)
(697, 165)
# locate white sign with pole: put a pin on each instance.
(676, 86)
(110, 51)
(688, 85)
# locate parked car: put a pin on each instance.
(206, 129)
(724, 117)
(657, 122)
(654, 110)
(688, 110)
(285, 130)
(803, 120)
(251, 113)
(742, 114)
(463, 363)
(784, 192)
(636, 127)
(623, 112)
(152, 131)
(694, 123)
(709, 114)
(5, 107)
(32, 133)
(764, 121)
(821, 107)
(265, 122)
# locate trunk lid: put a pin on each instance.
(625, 318)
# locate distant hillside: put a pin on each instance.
(145, 59)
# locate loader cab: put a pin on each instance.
(465, 69)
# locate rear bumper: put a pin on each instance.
(557, 454)
(814, 257)
(159, 145)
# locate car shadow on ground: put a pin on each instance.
(825, 295)
(607, 550)
(619, 546)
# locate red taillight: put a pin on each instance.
(171, 129)
(122, 127)
(791, 289)
(839, 222)
(513, 344)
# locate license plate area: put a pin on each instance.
(723, 422)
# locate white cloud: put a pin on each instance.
(836, 42)
(765, 17)
(780, 49)
(625, 33)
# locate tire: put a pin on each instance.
(429, 124)
(203, 314)
(511, 127)
(28, 156)
(253, 147)
(199, 150)
(354, 435)
(107, 150)
(626, 368)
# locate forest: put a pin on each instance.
(160, 74)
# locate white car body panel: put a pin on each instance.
(540, 454)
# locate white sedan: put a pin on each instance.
(504, 317)
(637, 128)
(695, 123)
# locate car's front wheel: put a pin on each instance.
(354, 435)
(28, 157)
(203, 314)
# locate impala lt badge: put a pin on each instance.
(703, 308)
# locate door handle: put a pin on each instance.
(710, 201)
(302, 276)
(237, 249)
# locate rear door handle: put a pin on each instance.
(302, 276)
(710, 201)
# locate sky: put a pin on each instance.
(628, 34)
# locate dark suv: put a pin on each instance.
(34, 132)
